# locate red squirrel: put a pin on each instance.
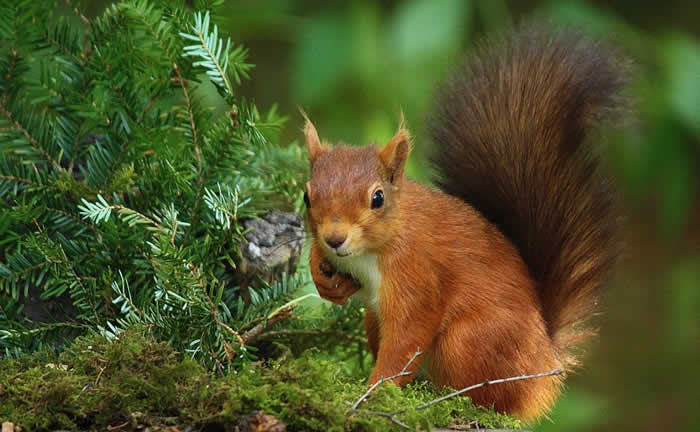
(494, 274)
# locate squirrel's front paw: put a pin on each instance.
(333, 286)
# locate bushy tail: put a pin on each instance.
(512, 129)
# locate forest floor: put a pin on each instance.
(136, 383)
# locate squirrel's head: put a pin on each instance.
(354, 192)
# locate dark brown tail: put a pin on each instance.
(511, 129)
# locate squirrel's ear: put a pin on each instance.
(395, 154)
(313, 143)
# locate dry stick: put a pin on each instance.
(279, 314)
(403, 372)
(483, 384)
(172, 238)
(392, 415)
(16, 179)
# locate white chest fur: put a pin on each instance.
(364, 268)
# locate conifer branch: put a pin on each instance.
(195, 140)
(101, 210)
(126, 294)
(64, 50)
(64, 260)
(18, 275)
(193, 124)
(143, 14)
(9, 76)
(216, 58)
(213, 307)
(30, 139)
(71, 216)
(107, 113)
(87, 47)
(210, 49)
(17, 179)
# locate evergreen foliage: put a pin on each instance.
(123, 181)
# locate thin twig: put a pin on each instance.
(172, 238)
(16, 179)
(252, 335)
(141, 215)
(381, 380)
(18, 274)
(99, 375)
(251, 323)
(392, 415)
(483, 384)
(4, 110)
(281, 313)
(212, 307)
(70, 266)
(228, 329)
(188, 103)
(291, 303)
(195, 143)
(118, 427)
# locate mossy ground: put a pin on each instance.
(133, 382)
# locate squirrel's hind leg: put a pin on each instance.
(468, 353)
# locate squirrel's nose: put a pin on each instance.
(335, 240)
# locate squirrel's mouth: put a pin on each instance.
(342, 254)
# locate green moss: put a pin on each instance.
(97, 383)
(78, 189)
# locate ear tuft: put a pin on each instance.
(395, 154)
(313, 143)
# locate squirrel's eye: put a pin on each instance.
(306, 200)
(378, 199)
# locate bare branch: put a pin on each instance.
(279, 314)
(172, 238)
(16, 179)
(484, 384)
(381, 380)
(392, 415)
(252, 335)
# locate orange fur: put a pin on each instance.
(457, 290)
(488, 293)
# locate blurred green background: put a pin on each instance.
(354, 65)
